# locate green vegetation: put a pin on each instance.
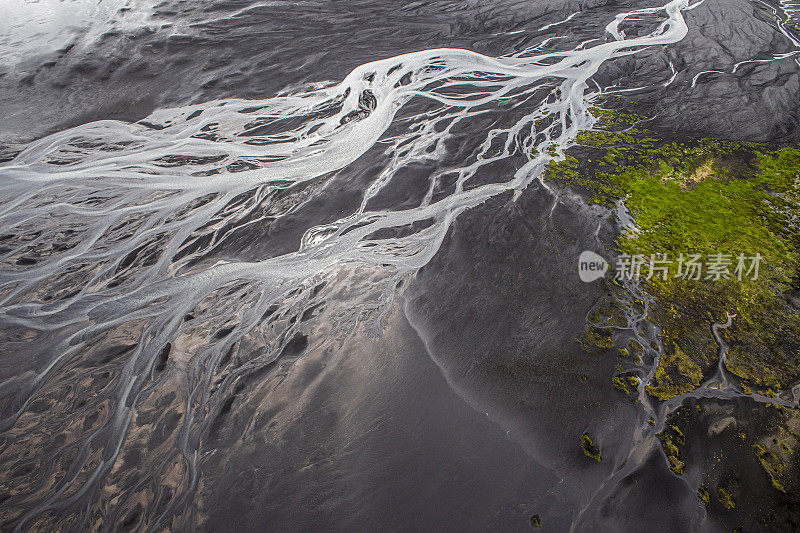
(776, 455)
(627, 384)
(588, 447)
(703, 197)
(619, 384)
(700, 197)
(635, 350)
(725, 498)
(607, 314)
(734, 216)
(670, 439)
(676, 374)
(596, 339)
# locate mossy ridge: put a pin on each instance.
(619, 152)
(596, 339)
(675, 375)
(607, 314)
(777, 453)
(722, 461)
(669, 437)
(620, 384)
(634, 351)
(707, 197)
(589, 449)
(704, 197)
(725, 498)
(626, 384)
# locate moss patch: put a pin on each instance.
(777, 454)
(675, 374)
(594, 339)
(704, 197)
(589, 448)
(620, 384)
(671, 438)
(725, 498)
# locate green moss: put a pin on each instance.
(668, 438)
(703, 197)
(607, 314)
(778, 455)
(595, 339)
(588, 447)
(635, 349)
(619, 384)
(618, 152)
(723, 214)
(772, 462)
(676, 464)
(716, 216)
(704, 495)
(725, 498)
(535, 522)
(676, 374)
(626, 384)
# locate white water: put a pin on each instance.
(111, 194)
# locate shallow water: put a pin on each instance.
(275, 265)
